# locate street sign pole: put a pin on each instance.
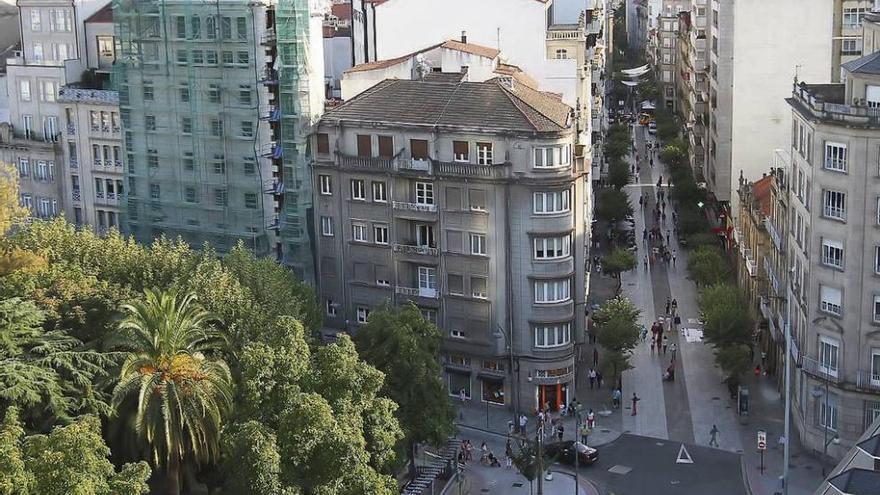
(762, 446)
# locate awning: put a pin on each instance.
(630, 83)
(451, 368)
(647, 105)
(490, 377)
(637, 71)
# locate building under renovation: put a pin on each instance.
(217, 98)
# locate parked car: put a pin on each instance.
(564, 452)
(652, 127)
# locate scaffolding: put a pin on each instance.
(214, 99)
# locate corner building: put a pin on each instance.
(471, 200)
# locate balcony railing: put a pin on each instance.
(819, 370)
(817, 105)
(403, 205)
(71, 129)
(412, 249)
(74, 163)
(417, 292)
(369, 162)
(868, 380)
(774, 233)
(774, 280)
(566, 34)
(424, 166)
(77, 195)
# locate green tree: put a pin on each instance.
(673, 156)
(708, 266)
(727, 326)
(531, 461)
(252, 462)
(618, 174)
(618, 332)
(404, 345)
(612, 205)
(618, 261)
(182, 390)
(48, 374)
(70, 460)
(735, 361)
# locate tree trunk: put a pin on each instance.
(619, 284)
(172, 476)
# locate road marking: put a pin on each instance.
(683, 456)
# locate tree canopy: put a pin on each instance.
(617, 323)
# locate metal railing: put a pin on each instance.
(819, 370)
(868, 380)
(413, 249)
(425, 166)
(417, 292)
(404, 205)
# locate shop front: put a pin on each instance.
(553, 388)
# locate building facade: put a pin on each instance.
(692, 84)
(217, 99)
(834, 254)
(479, 217)
(665, 52)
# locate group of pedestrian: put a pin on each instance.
(595, 377)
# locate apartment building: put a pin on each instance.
(692, 85)
(216, 100)
(663, 50)
(834, 253)
(471, 200)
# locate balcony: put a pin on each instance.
(418, 250)
(771, 273)
(867, 380)
(268, 38)
(819, 370)
(418, 207)
(71, 130)
(774, 233)
(419, 166)
(74, 163)
(77, 195)
(417, 292)
(366, 162)
(563, 32)
(828, 102)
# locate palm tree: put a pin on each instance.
(182, 389)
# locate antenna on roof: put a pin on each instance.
(463, 36)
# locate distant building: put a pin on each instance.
(472, 200)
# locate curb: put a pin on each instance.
(582, 481)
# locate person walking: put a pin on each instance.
(523, 421)
(615, 398)
(673, 257)
(672, 349)
(585, 433)
(592, 376)
(635, 401)
(560, 431)
(713, 436)
(646, 262)
(591, 420)
(667, 305)
(665, 343)
(674, 307)
(598, 380)
(653, 343)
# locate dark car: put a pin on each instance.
(564, 452)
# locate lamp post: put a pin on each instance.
(816, 393)
(514, 397)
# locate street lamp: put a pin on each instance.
(816, 393)
(514, 397)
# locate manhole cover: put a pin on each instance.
(674, 482)
(517, 485)
(618, 469)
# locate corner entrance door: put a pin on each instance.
(552, 396)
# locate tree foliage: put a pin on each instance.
(612, 205)
(708, 266)
(618, 174)
(72, 459)
(727, 325)
(404, 345)
(618, 261)
(618, 332)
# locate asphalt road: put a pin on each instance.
(647, 466)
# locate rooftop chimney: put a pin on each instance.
(464, 36)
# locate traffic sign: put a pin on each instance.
(762, 440)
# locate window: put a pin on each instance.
(552, 335)
(155, 193)
(323, 144)
(38, 52)
(188, 161)
(227, 58)
(196, 25)
(247, 129)
(23, 166)
(327, 226)
(180, 27)
(211, 27)
(830, 300)
(190, 195)
(24, 90)
(835, 204)
(477, 199)
(455, 333)
(364, 145)
(552, 157)
(183, 93)
(357, 190)
(427, 281)
(827, 407)
(380, 234)
(220, 195)
(478, 244)
(150, 122)
(876, 311)
(853, 17)
(386, 146)
(250, 165)
(877, 260)
(241, 28)
(359, 232)
(828, 355)
(380, 195)
(186, 125)
(478, 288)
(484, 153)
(226, 28)
(36, 21)
(877, 216)
(331, 307)
(552, 291)
(547, 203)
(460, 151)
(548, 248)
(326, 185)
(242, 57)
(429, 314)
(424, 193)
(216, 127)
(418, 149)
(561, 53)
(250, 201)
(48, 91)
(835, 157)
(245, 95)
(363, 314)
(219, 163)
(213, 93)
(851, 46)
(455, 284)
(832, 253)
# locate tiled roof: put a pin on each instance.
(105, 14)
(518, 74)
(857, 481)
(472, 48)
(869, 64)
(489, 105)
(871, 446)
(761, 194)
(447, 77)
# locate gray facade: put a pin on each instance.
(834, 251)
(456, 218)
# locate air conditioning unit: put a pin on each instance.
(18, 54)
